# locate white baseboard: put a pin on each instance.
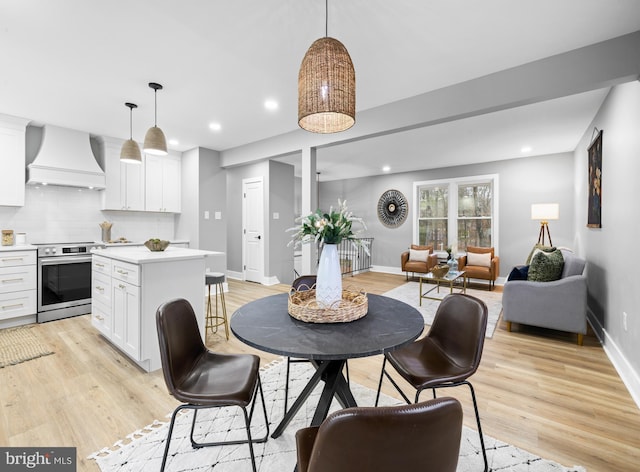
(273, 280)
(235, 275)
(629, 376)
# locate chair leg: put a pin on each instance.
(580, 339)
(475, 409)
(397, 387)
(247, 418)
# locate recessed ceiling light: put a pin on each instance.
(215, 126)
(386, 169)
(526, 149)
(174, 142)
(271, 105)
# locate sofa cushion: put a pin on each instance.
(546, 266)
(537, 248)
(476, 259)
(418, 256)
(519, 273)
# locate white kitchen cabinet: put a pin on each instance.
(162, 183)
(126, 317)
(141, 281)
(124, 187)
(18, 287)
(12, 160)
(101, 295)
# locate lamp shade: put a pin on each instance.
(130, 152)
(545, 211)
(326, 88)
(155, 142)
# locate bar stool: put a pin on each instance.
(215, 320)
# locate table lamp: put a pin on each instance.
(544, 212)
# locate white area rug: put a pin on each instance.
(143, 449)
(409, 293)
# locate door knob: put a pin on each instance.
(258, 237)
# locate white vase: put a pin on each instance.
(329, 277)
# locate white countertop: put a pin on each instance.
(142, 255)
(140, 243)
(22, 247)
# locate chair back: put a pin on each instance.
(421, 436)
(459, 328)
(481, 250)
(180, 342)
(304, 282)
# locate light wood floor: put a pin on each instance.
(536, 389)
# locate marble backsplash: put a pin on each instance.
(64, 214)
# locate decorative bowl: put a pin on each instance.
(440, 270)
(156, 245)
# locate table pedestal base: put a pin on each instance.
(335, 385)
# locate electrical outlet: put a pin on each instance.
(624, 320)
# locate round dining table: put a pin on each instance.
(265, 324)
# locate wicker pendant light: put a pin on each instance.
(154, 140)
(130, 151)
(326, 87)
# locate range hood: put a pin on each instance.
(65, 158)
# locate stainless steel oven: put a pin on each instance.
(64, 280)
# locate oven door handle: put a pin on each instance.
(63, 260)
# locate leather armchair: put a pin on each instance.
(489, 273)
(423, 436)
(421, 267)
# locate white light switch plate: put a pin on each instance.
(218, 215)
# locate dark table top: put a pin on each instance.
(266, 325)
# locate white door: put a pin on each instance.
(253, 231)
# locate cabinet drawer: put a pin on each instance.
(101, 288)
(126, 272)
(101, 318)
(19, 278)
(101, 265)
(17, 304)
(17, 258)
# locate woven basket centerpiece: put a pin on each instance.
(302, 306)
(440, 271)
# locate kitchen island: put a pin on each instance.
(128, 286)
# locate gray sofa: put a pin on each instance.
(560, 304)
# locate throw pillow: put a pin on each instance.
(538, 248)
(546, 266)
(418, 256)
(478, 259)
(519, 273)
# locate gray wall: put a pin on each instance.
(204, 189)
(281, 201)
(610, 251)
(522, 181)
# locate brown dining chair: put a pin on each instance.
(200, 378)
(423, 436)
(447, 356)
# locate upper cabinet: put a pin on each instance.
(12, 160)
(153, 185)
(124, 182)
(163, 184)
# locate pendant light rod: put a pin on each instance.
(326, 18)
(131, 107)
(155, 88)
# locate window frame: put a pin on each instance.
(452, 216)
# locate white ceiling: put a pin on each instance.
(73, 63)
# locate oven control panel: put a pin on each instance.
(61, 249)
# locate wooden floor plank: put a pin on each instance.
(536, 389)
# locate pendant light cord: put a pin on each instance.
(131, 123)
(155, 107)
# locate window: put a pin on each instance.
(456, 213)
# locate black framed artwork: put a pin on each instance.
(594, 217)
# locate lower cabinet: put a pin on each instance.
(126, 317)
(115, 310)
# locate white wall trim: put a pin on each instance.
(232, 274)
(629, 377)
